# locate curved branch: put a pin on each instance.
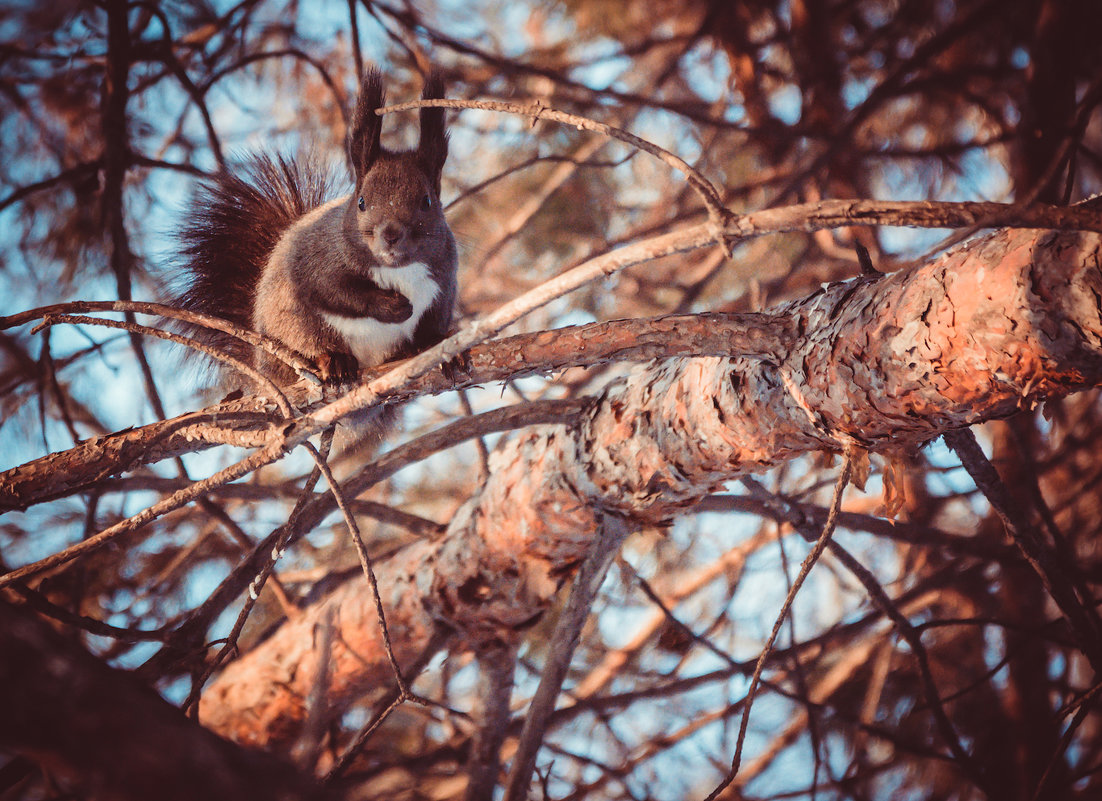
(537, 111)
(1018, 309)
(71, 174)
(205, 86)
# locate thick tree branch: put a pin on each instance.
(248, 422)
(1000, 324)
(739, 335)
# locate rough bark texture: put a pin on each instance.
(252, 421)
(997, 325)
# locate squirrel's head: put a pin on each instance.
(395, 209)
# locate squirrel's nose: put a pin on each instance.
(392, 233)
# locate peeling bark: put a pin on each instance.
(254, 421)
(997, 325)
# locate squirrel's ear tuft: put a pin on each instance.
(363, 138)
(432, 151)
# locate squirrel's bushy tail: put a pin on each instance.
(235, 221)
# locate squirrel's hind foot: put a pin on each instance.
(338, 368)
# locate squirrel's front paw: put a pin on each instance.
(338, 367)
(390, 306)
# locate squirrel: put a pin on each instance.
(347, 282)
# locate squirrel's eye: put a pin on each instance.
(361, 204)
(426, 202)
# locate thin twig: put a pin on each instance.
(271, 346)
(470, 191)
(388, 705)
(537, 111)
(479, 442)
(261, 380)
(251, 58)
(560, 650)
(805, 569)
(404, 693)
(60, 397)
(39, 603)
(191, 705)
(73, 174)
(354, 35)
(914, 640)
(247, 465)
(308, 747)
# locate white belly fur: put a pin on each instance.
(371, 341)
